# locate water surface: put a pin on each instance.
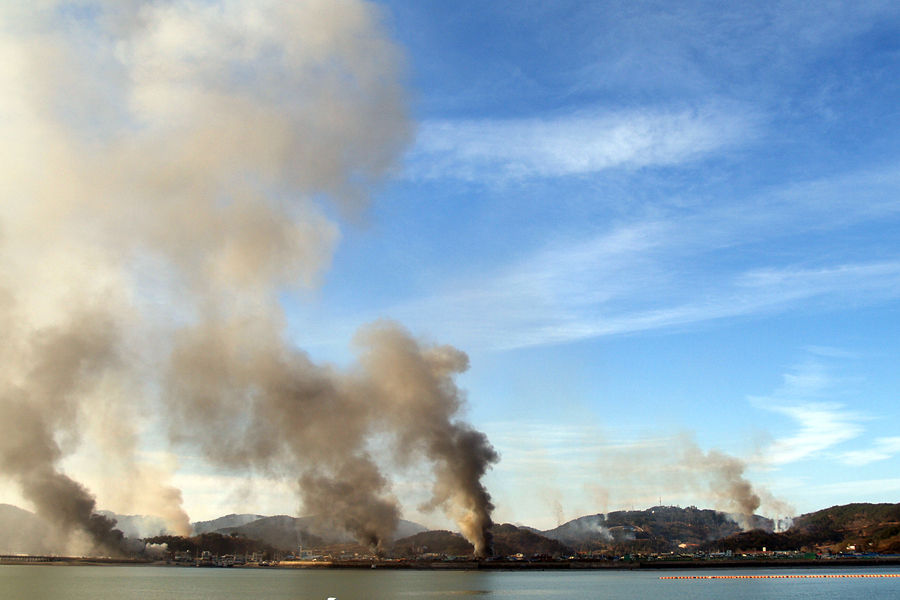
(50, 582)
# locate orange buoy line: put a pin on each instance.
(828, 576)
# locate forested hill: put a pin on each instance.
(659, 527)
(846, 528)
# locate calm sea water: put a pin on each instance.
(37, 582)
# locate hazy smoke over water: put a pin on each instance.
(163, 172)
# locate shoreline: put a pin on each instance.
(472, 565)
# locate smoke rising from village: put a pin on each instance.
(171, 170)
(166, 172)
(651, 472)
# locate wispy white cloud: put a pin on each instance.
(600, 289)
(868, 490)
(806, 397)
(524, 444)
(666, 267)
(574, 144)
(879, 278)
(672, 49)
(822, 426)
(831, 352)
(670, 268)
(882, 449)
(547, 301)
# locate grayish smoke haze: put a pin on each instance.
(677, 467)
(164, 172)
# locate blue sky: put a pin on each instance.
(645, 221)
(665, 234)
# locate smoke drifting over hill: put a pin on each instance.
(165, 168)
(677, 466)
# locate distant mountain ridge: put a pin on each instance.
(507, 540)
(856, 527)
(657, 527)
(23, 532)
(232, 520)
(286, 532)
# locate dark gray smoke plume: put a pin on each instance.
(732, 491)
(265, 406)
(414, 386)
(171, 160)
(60, 367)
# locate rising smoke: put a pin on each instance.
(676, 467)
(163, 185)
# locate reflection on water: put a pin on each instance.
(426, 593)
(40, 582)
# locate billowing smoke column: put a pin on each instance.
(415, 387)
(54, 370)
(731, 490)
(265, 405)
(162, 188)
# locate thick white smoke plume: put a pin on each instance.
(164, 169)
